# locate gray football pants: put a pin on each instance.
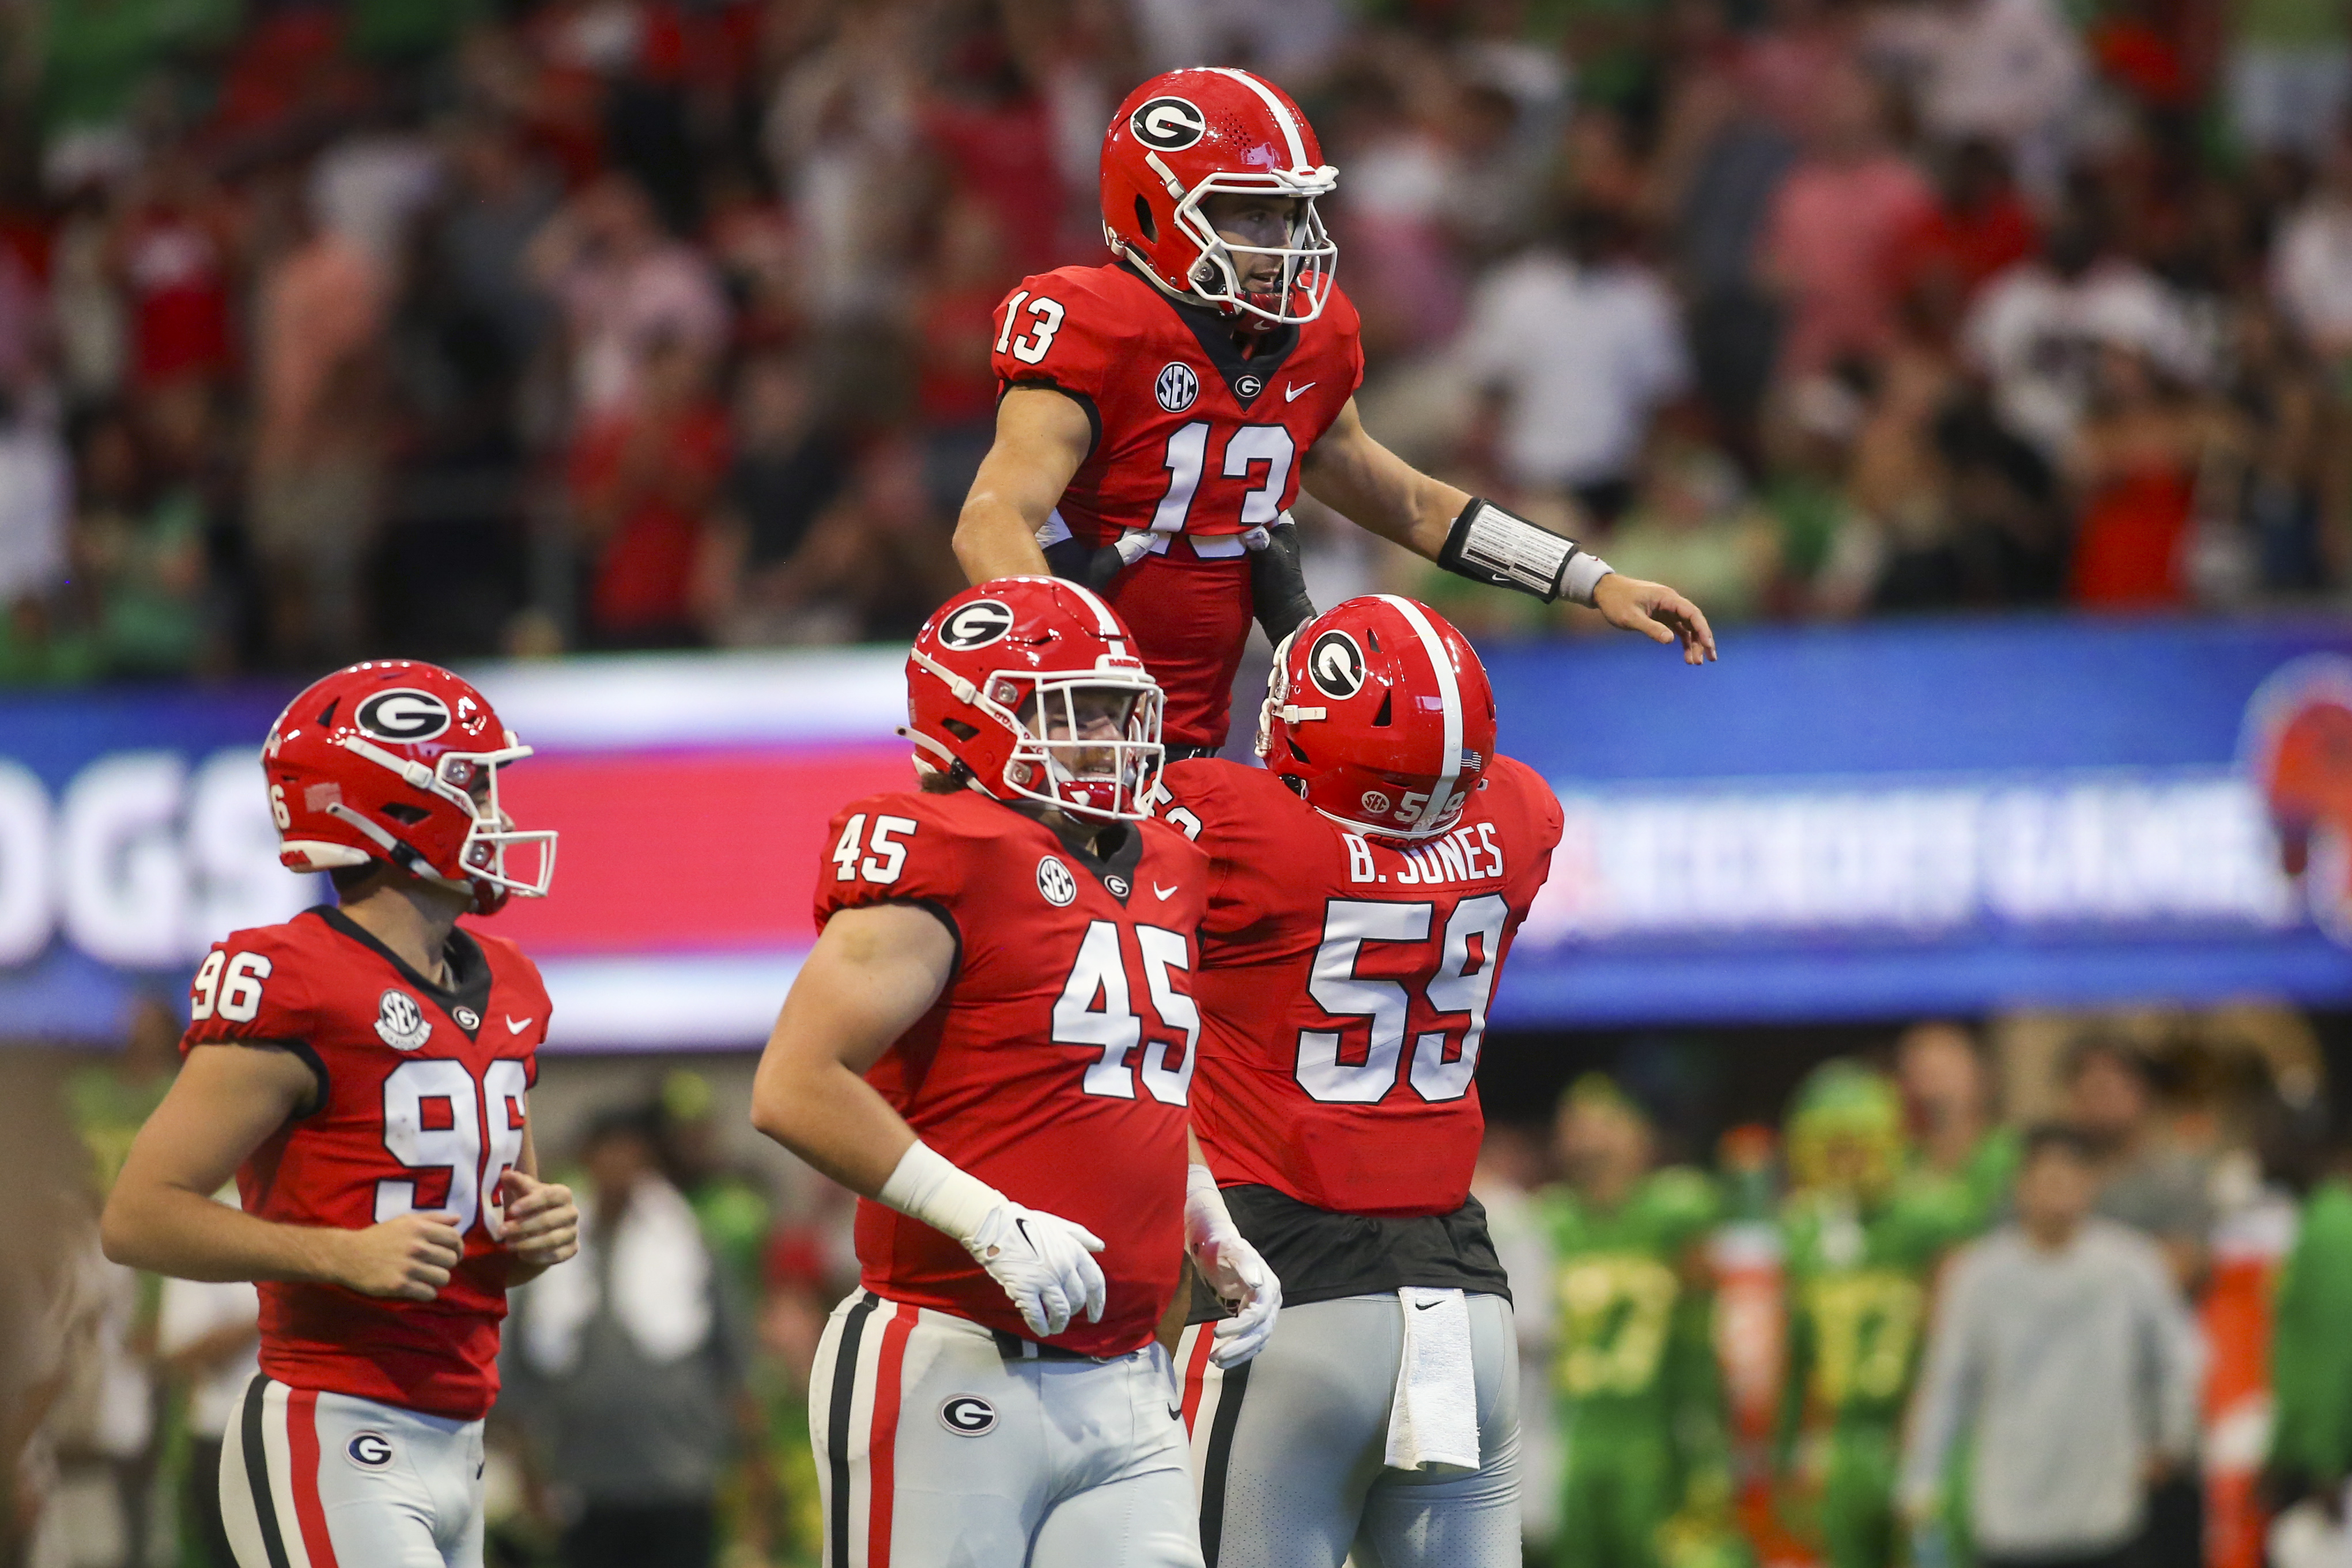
(1288, 1448)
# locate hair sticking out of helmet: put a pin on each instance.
(1379, 714)
(1187, 136)
(1029, 687)
(398, 761)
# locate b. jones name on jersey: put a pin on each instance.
(1466, 854)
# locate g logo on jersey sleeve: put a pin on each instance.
(967, 1414)
(977, 624)
(402, 714)
(1168, 124)
(1336, 665)
(399, 1022)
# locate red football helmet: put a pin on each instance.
(398, 760)
(999, 668)
(1380, 715)
(1186, 135)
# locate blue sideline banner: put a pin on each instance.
(1873, 821)
(1923, 817)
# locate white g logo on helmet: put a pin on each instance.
(1168, 124)
(976, 625)
(1336, 665)
(402, 714)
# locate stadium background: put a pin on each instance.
(1979, 366)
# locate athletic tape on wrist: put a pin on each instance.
(926, 1185)
(1205, 1205)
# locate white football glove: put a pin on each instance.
(1043, 1262)
(1232, 1268)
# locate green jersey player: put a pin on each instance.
(1862, 1235)
(1641, 1402)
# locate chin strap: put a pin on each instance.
(399, 851)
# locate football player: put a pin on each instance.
(1641, 1402)
(1363, 888)
(1160, 413)
(362, 1070)
(992, 1041)
(1862, 1235)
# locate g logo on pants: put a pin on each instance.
(369, 1450)
(967, 1416)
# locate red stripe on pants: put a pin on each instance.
(1204, 1339)
(882, 1451)
(302, 1448)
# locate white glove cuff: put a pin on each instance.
(928, 1186)
(1205, 1214)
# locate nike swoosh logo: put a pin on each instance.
(1023, 1226)
(1290, 394)
(1165, 892)
(1175, 1412)
(1423, 1306)
(515, 1028)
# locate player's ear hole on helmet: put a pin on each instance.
(406, 815)
(958, 729)
(1144, 221)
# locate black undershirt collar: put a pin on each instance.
(1215, 332)
(468, 995)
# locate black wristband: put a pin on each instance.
(1278, 584)
(1091, 566)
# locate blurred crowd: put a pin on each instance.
(2064, 1290)
(466, 326)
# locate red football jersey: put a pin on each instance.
(421, 1110)
(1056, 1066)
(1346, 980)
(1192, 440)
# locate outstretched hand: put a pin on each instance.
(1656, 612)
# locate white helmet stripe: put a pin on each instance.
(1105, 621)
(1281, 111)
(1449, 693)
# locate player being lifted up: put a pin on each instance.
(1161, 412)
(362, 1070)
(1363, 888)
(993, 1043)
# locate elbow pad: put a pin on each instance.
(1489, 545)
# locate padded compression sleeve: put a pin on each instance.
(1489, 545)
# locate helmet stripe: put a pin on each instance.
(1281, 111)
(1449, 693)
(1105, 621)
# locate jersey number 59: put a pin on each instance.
(1468, 956)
